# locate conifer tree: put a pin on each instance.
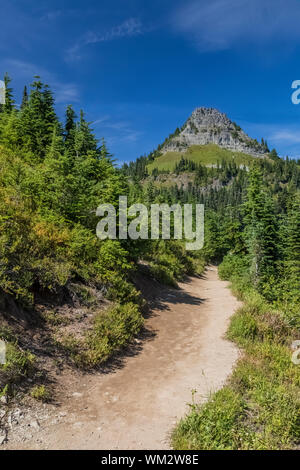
(70, 127)
(56, 147)
(260, 228)
(38, 119)
(292, 248)
(49, 115)
(24, 98)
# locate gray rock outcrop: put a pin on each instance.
(209, 126)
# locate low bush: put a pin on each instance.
(163, 274)
(19, 364)
(40, 393)
(243, 327)
(217, 425)
(112, 330)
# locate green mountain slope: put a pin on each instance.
(209, 154)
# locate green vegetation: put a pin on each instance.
(19, 365)
(41, 393)
(169, 262)
(213, 426)
(204, 154)
(112, 329)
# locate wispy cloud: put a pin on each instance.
(117, 130)
(284, 137)
(287, 136)
(130, 27)
(65, 93)
(225, 24)
(51, 15)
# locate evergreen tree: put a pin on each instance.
(70, 127)
(291, 244)
(38, 119)
(84, 139)
(260, 228)
(24, 98)
(56, 147)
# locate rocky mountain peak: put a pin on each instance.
(210, 126)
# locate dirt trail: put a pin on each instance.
(136, 406)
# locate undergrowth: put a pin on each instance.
(112, 330)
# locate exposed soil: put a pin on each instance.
(135, 403)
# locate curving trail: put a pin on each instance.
(136, 405)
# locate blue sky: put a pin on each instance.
(139, 68)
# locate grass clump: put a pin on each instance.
(55, 319)
(19, 365)
(243, 327)
(40, 393)
(112, 330)
(217, 425)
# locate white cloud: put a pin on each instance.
(286, 136)
(51, 15)
(117, 130)
(132, 136)
(225, 24)
(101, 120)
(130, 27)
(65, 93)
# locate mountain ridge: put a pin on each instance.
(210, 126)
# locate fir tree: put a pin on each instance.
(291, 244)
(260, 228)
(24, 98)
(70, 127)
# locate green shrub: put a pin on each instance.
(7, 334)
(234, 266)
(197, 265)
(40, 393)
(242, 327)
(163, 274)
(55, 319)
(215, 426)
(123, 291)
(112, 330)
(19, 364)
